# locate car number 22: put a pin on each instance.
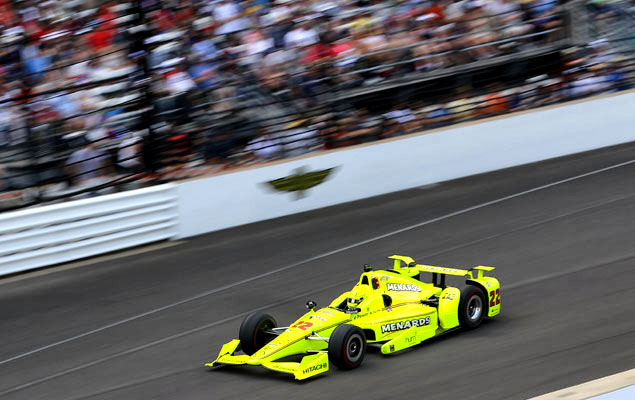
(494, 298)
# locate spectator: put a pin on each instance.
(302, 35)
(392, 128)
(104, 35)
(494, 103)
(298, 137)
(129, 155)
(203, 73)
(227, 65)
(229, 17)
(462, 107)
(544, 13)
(4, 184)
(401, 114)
(219, 147)
(88, 162)
(204, 47)
(37, 58)
(264, 147)
(436, 116)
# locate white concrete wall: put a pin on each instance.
(242, 197)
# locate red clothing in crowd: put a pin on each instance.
(165, 20)
(435, 8)
(7, 16)
(320, 51)
(184, 14)
(104, 33)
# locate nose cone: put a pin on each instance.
(284, 345)
(266, 352)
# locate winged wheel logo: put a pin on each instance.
(300, 181)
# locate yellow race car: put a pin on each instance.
(391, 308)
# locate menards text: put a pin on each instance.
(398, 326)
(402, 287)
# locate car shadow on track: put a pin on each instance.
(488, 326)
(261, 373)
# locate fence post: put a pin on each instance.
(31, 142)
(139, 51)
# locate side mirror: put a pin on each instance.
(311, 304)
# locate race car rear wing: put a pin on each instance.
(411, 266)
(480, 270)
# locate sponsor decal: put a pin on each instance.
(392, 347)
(494, 298)
(300, 181)
(356, 316)
(318, 317)
(448, 296)
(384, 278)
(302, 325)
(443, 269)
(315, 368)
(399, 326)
(402, 287)
(278, 367)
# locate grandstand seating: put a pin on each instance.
(106, 96)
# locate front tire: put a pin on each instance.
(252, 333)
(472, 307)
(347, 346)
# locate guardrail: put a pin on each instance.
(60, 233)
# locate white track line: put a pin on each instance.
(531, 225)
(593, 388)
(224, 320)
(162, 340)
(314, 258)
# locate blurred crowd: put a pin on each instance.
(297, 50)
(226, 82)
(585, 74)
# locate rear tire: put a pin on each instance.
(472, 307)
(252, 333)
(347, 346)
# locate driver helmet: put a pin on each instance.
(357, 295)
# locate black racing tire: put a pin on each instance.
(472, 307)
(347, 346)
(252, 333)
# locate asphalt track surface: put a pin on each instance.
(141, 327)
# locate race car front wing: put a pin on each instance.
(309, 366)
